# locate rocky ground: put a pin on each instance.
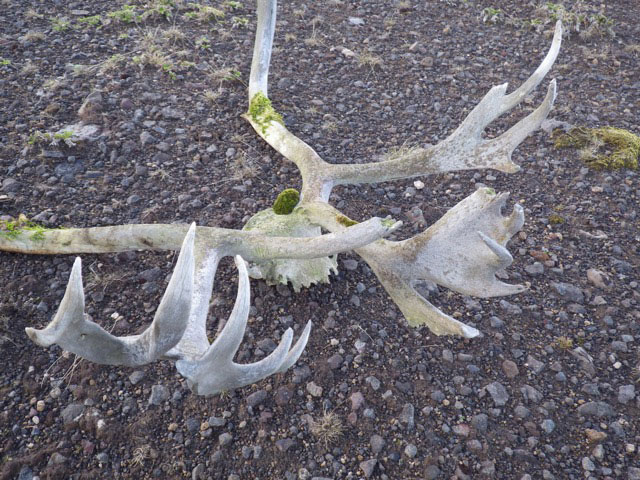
(548, 391)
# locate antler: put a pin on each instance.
(464, 149)
(178, 330)
(74, 331)
(466, 247)
(211, 370)
(462, 251)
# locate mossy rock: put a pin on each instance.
(605, 148)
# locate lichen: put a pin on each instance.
(286, 201)
(605, 148)
(388, 222)
(345, 221)
(490, 191)
(262, 112)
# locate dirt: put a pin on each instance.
(357, 80)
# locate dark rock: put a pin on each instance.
(498, 393)
(568, 292)
(72, 413)
(256, 398)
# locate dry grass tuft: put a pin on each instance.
(328, 428)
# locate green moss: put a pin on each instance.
(286, 201)
(345, 221)
(12, 229)
(490, 191)
(555, 219)
(605, 148)
(262, 112)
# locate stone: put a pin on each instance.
(510, 369)
(407, 416)
(314, 390)
(335, 361)
(432, 472)
(534, 364)
(72, 413)
(411, 450)
(285, 444)
(498, 393)
(256, 398)
(530, 394)
(373, 382)
(598, 278)
(10, 185)
(568, 292)
(136, 376)
(626, 393)
(596, 409)
(225, 439)
(368, 466)
(159, 394)
(548, 425)
(357, 401)
(480, 422)
(536, 268)
(282, 396)
(377, 443)
(587, 464)
(595, 436)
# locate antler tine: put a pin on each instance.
(76, 333)
(465, 148)
(215, 371)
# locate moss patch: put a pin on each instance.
(286, 201)
(605, 148)
(262, 112)
(555, 219)
(14, 228)
(345, 221)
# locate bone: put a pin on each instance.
(74, 331)
(215, 371)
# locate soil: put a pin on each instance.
(357, 80)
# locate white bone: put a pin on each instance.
(214, 371)
(76, 333)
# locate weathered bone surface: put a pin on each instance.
(462, 251)
(212, 369)
(75, 332)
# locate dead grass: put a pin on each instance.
(403, 150)
(327, 429)
(33, 36)
(368, 59)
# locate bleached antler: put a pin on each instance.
(464, 149)
(463, 251)
(211, 370)
(75, 332)
(466, 247)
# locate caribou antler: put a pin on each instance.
(466, 247)
(463, 251)
(75, 332)
(212, 370)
